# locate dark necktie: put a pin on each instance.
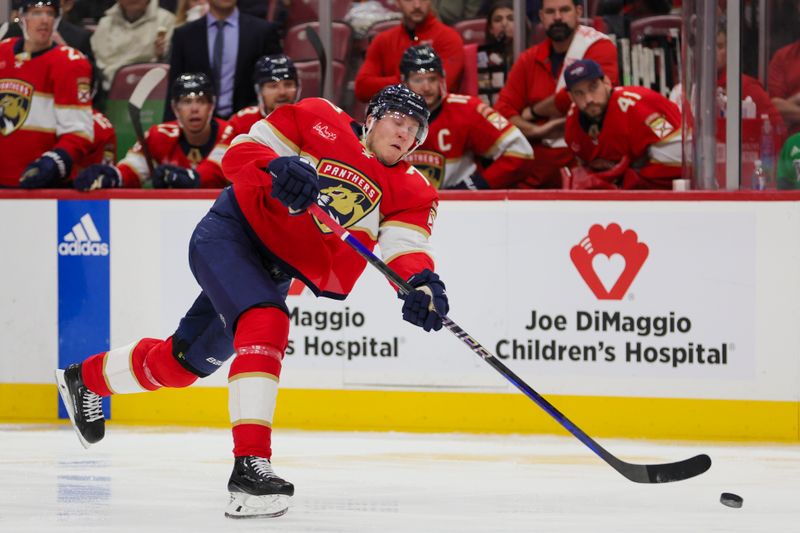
(216, 66)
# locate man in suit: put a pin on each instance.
(228, 60)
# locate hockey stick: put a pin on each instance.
(3, 30)
(143, 89)
(655, 473)
(316, 42)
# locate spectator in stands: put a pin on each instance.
(45, 102)
(462, 129)
(189, 11)
(496, 54)
(276, 84)
(624, 137)
(131, 31)
(789, 164)
(176, 148)
(749, 87)
(452, 11)
(783, 83)
(534, 98)
(419, 25)
(225, 45)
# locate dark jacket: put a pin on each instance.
(189, 53)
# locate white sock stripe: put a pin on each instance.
(252, 397)
(119, 373)
(261, 349)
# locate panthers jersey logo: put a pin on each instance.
(15, 103)
(430, 164)
(345, 193)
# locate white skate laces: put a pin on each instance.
(262, 467)
(92, 406)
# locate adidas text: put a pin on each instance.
(83, 248)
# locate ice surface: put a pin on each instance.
(144, 479)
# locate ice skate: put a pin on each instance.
(83, 406)
(256, 490)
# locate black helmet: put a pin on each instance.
(24, 5)
(420, 58)
(401, 99)
(274, 68)
(192, 84)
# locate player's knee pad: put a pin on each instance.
(262, 326)
(161, 367)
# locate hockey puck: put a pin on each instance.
(730, 499)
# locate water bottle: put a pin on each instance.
(767, 149)
(759, 179)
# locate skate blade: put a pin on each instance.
(248, 506)
(63, 390)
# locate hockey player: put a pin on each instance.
(45, 102)
(276, 84)
(254, 240)
(103, 149)
(462, 129)
(624, 137)
(177, 147)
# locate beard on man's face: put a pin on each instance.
(559, 31)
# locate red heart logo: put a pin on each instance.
(608, 260)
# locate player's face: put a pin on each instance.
(559, 18)
(194, 112)
(392, 137)
(428, 85)
(39, 24)
(277, 93)
(591, 96)
(722, 51)
(501, 25)
(414, 11)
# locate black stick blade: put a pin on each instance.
(664, 473)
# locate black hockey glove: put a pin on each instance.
(417, 307)
(98, 177)
(51, 168)
(175, 177)
(294, 183)
(471, 183)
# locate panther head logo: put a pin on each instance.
(345, 193)
(15, 102)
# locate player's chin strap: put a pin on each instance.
(656, 473)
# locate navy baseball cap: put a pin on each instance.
(582, 69)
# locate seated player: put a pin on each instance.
(276, 84)
(103, 150)
(176, 147)
(624, 137)
(462, 129)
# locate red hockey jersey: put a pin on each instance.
(639, 124)
(394, 207)
(104, 146)
(464, 128)
(45, 103)
(167, 147)
(240, 123)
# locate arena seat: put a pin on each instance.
(658, 26)
(308, 73)
(469, 79)
(302, 11)
(298, 47)
(122, 86)
(472, 30)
